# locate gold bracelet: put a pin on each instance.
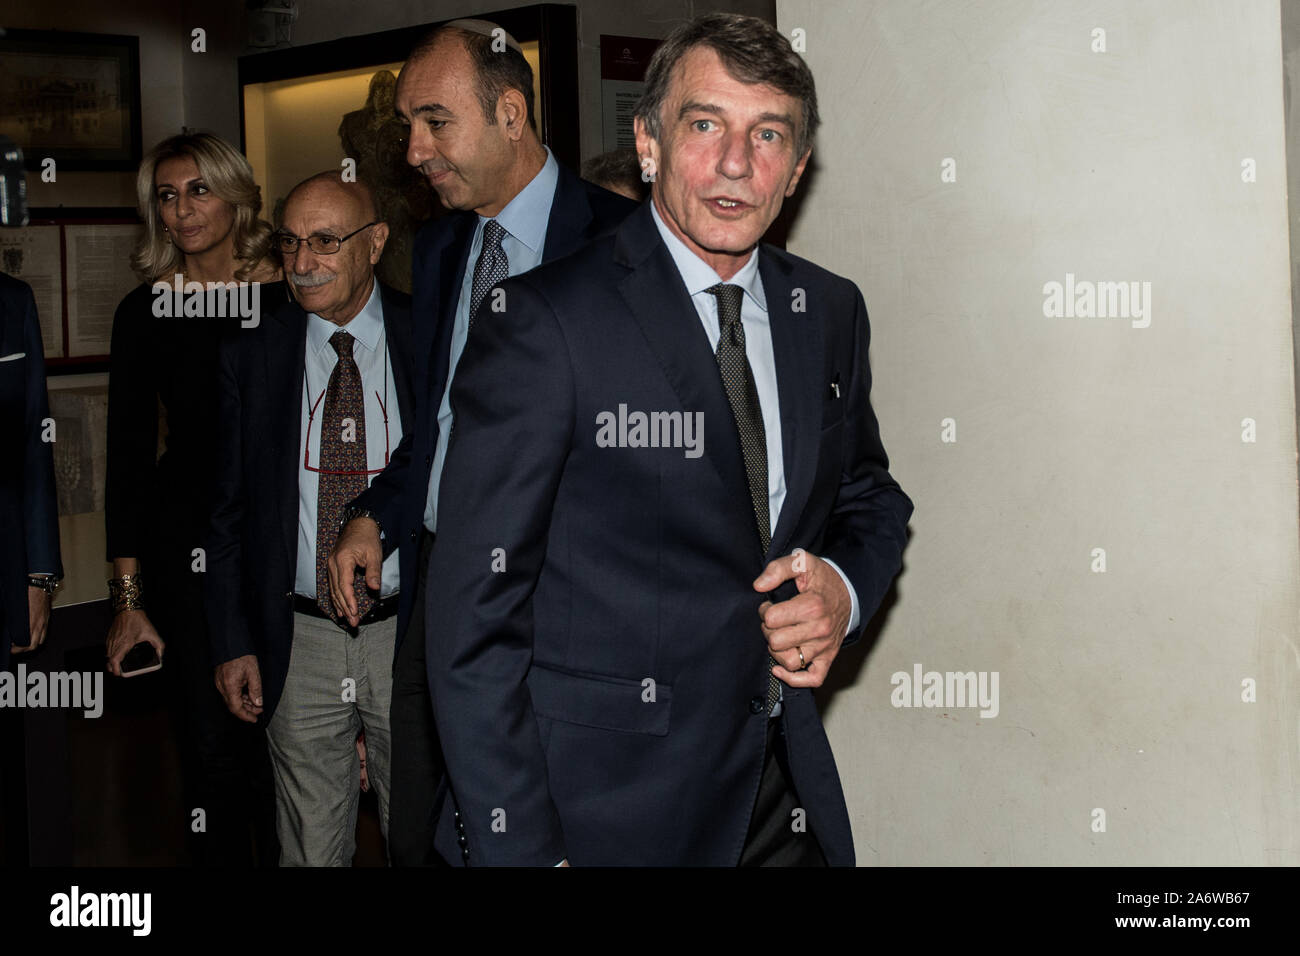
(124, 593)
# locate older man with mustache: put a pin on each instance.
(313, 402)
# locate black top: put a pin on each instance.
(172, 361)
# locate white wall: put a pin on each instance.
(1119, 690)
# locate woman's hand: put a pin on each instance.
(129, 628)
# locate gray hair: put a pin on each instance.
(752, 50)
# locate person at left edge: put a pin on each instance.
(29, 522)
(313, 402)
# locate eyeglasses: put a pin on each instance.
(311, 417)
(323, 244)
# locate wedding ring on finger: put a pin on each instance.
(803, 664)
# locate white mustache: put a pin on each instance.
(311, 280)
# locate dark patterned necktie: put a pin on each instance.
(491, 267)
(738, 380)
(342, 467)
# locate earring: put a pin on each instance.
(648, 169)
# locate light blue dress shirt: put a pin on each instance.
(370, 351)
(698, 276)
(524, 219)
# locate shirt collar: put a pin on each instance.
(699, 275)
(525, 217)
(366, 326)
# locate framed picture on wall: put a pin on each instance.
(71, 97)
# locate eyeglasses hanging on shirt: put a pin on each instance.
(311, 418)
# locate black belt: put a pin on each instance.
(379, 611)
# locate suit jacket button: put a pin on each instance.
(464, 855)
(462, 841)
(428, 461)
(757, 705)
(414, 535)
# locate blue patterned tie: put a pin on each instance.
(491, 267)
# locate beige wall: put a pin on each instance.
(1119, 690)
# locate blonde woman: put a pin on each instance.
(200, 208)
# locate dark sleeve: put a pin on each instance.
(222, 593)
(503, 468)
(132, 430)
(40, 499)
(867, 529)
(384, 496)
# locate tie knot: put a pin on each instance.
(728, 297)
(342, 342)
(493, 233)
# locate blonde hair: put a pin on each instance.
(230, 178)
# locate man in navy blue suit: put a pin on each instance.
(652, 437)
(468, 99)
(30, 565)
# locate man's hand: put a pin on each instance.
(39, 602)
(812, 623)
(358, 546)
(240, 684)
(128, 629)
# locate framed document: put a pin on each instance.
(78, 262)
(98, 267)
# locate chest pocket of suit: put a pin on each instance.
(607, 703)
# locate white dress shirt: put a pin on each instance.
(370, 351)
(524, 219)
(698, 275)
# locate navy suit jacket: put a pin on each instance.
(29, 505)
(599, 688)
(580, 211)
(252, 545)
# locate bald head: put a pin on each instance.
(332, 284)
(329, 187)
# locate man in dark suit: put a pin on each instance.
(654, 435)
(470, 109)
(313, 399)
(30, 564)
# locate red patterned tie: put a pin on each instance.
(342, 467)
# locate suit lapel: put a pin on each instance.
(285, 355)
(398, 337)
(566, 229)
(451, 261)
(659, 303)
(797, 348)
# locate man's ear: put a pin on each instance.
(798, 172)
(512, 112)
(647, 147)
(378, 238)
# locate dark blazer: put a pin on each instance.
(601, 698)
(29, 505)
(579, 213)
(252, 546)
